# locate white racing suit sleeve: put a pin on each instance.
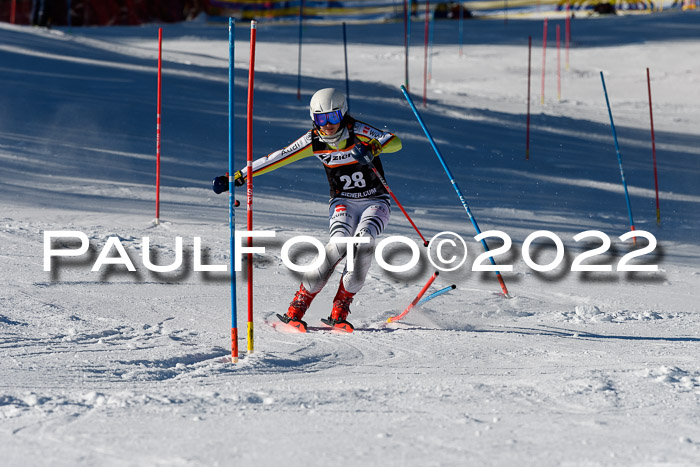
(299, 149)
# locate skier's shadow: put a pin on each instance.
(563, 332)
(551, 331)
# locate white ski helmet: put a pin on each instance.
(327, 100)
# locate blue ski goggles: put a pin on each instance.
(333, 118)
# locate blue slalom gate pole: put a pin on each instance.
(461, 28)
(454, 185)
(301, 23)
(347, 80)
(437, 294)
(619, 157)
(231, 200)
(406, 37)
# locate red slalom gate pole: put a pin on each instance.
(544, 55)
(13, 11)
(558, 66)
(415, 300)
(529, 68)
(249, 180)
(653, 152)
(425, 64)
(160, 47)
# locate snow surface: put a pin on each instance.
(119, 368)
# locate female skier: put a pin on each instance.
(359, 206)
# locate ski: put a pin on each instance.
(293, 324)
(286, 324)
(339, 325)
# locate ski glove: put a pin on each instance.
(220, 183)
(365, 151)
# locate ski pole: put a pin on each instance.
(415, 300)
(365, 159)
(381, 179)
(454, 185)
(437, 294)
(619, 158)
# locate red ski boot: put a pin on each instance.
(341, 310)
(300, 303)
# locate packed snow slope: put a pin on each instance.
(133, 368)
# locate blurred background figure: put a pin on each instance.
(39, 16)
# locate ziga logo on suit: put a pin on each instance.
(338, 157)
